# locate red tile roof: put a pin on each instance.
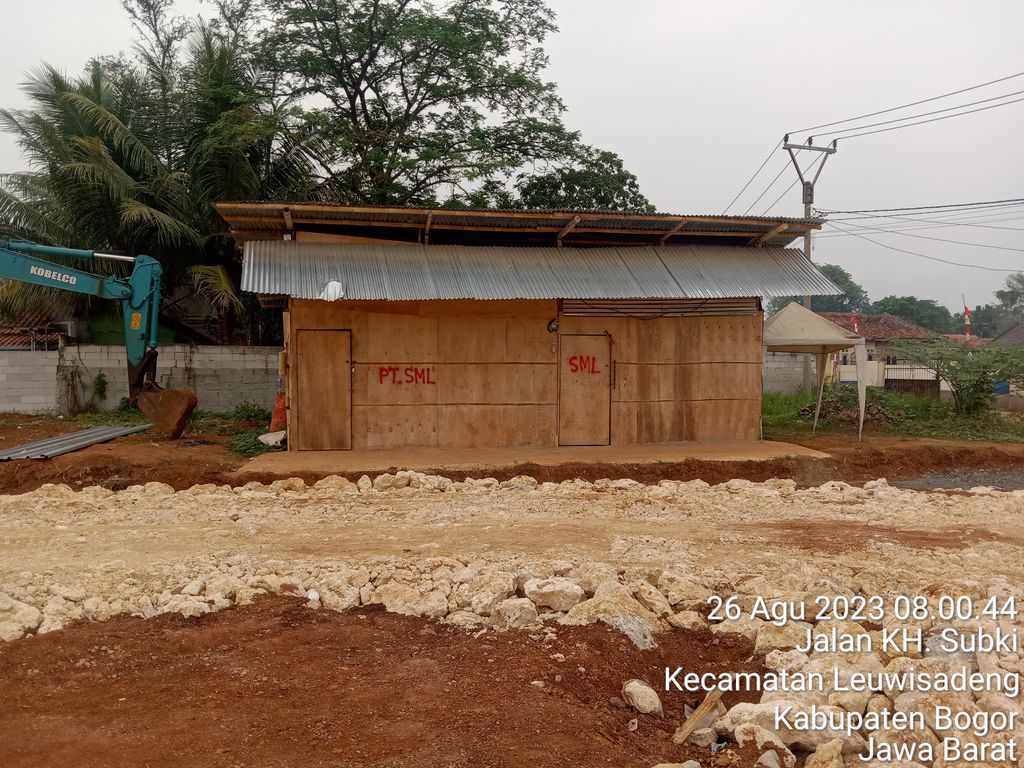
(30, 329)
(879, 327)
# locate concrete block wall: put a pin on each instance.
(222, 377)
(784, 372)
(28, 381)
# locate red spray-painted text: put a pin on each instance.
(394, 375)
(584, 363)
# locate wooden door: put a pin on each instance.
(323, 390)
(584, 389)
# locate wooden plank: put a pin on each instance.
(303, 236)
(584, 390)
(760, 241)
(697, 717)
(675, 228)
(567, 229)
(398, 426)
(323, 390)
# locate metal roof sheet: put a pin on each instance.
(361, 271)
(55, 446)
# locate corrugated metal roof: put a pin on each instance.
(55, 446)
(368, 271)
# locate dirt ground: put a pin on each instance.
(276, 684)
(203, 458)
(273, 680)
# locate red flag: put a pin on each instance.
(967, 319)
(854, 317)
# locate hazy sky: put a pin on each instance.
(694, 94)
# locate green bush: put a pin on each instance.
(249, 412)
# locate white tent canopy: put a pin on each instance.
(797, 329)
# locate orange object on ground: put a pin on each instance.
(280, 418)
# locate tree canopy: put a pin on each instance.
(853, 298)
(394, 102)
(927, 313)
(415, 103)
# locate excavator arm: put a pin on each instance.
(139, 296)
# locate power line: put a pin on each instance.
(922, 255)
(1013, 200)
(937, 239)
(933, 112)
(930, 120)
(981, 224)
(770, 185)
(911, 104)
(751, 179)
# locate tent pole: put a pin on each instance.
(820, 360)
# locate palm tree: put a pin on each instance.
(129, 158)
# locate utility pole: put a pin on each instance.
(808, 197)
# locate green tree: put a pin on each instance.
(970, 373)
(424, 104)
(927, 313)
(853, 298)
(1011, 298)
(131, 155)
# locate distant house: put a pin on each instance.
(33, 331)
(879, 330)
(885, 369)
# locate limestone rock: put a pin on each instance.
(613, 604)
(687, 620)
(764, 739)
(520, 483)
(746, 626)
(764, 715)
(516, 612)
(680, 588)
(592, 575)
(702, 737)
(642, 697)
(651, 598)
(788, 636)
(186, 605)
(409, 601)
(827, 755)
(557, 593)
(17, 618)
(364, 484)
(334, 485)
(768, 759)
(389, 482)
(488, 589)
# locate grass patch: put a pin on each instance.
(245, 442)
(885, 412)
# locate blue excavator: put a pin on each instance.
(139, 295)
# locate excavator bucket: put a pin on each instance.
(168, 409)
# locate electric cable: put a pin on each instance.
(923, 122)
(923, 255)
(911, 104)
(751, 179)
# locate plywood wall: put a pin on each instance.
(484, 373)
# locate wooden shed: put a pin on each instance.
(454, 328)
